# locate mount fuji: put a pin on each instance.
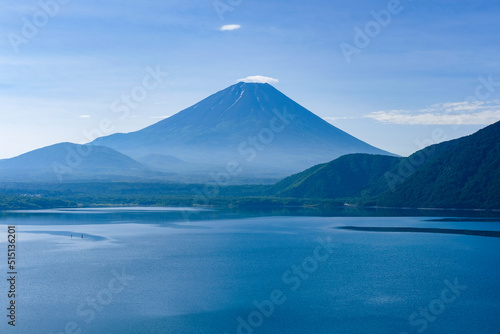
(252, 126)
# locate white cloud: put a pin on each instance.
(230, 27)
(451, 113)
(258, 79)
(84, 116)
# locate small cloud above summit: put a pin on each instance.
(230, 27)
(258, 79)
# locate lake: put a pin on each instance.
(175, 270)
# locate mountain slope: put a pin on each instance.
(252, 124)
(344, 177)
(66, 161)
(162, 162)
(461, 173)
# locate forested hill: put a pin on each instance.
(461, 173)
(347, 176)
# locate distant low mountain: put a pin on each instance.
(66, 161)
(251, 125)
(461, 173)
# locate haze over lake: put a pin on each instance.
(151, 270)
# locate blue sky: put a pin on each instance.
(429, 72)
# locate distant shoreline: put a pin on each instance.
(272, 206)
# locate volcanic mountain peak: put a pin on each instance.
(252, 123)
(238, 103)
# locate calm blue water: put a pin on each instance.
(157, 271)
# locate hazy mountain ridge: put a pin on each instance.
(67, 161)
